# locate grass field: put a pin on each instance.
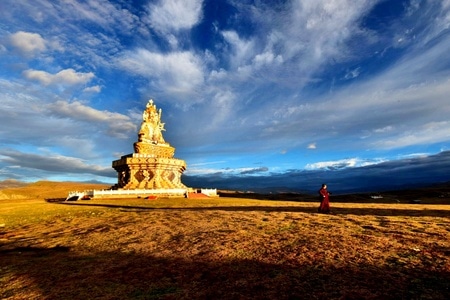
(224, 248)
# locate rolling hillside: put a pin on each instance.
(45, 189)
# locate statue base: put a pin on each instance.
(148, 171)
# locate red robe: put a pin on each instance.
(325, 202)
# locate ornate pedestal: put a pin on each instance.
(146, 171)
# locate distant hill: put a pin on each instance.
(11, 183)
(47, 189)
(432, 194)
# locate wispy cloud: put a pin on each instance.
(352, 73)
(168, 15)
(93, 89)
(194, 170)
(68, 76)
(342, 164)
(52, 163)
(119, 125)
(253, 171)
(428, 133)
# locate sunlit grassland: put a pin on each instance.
(222, 248)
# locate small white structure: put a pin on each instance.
(209, 192)
(73, 196)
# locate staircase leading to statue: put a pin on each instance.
(196, 195)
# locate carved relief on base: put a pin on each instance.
(150, 173)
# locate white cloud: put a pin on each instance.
(28, 42)
(207, 163)
(192, 170)
(52, 162)
(68, 77)
(312, 146)
(104, 13)
(93, 89)
(294, 42)
(385, 105)
(218, 75)
(433, 132)
(267, 58)
(414, 155)
(317, 30)
(167, 15)
(384, 129)
(79, 111)
(222, 105)
(175, 72)
(342, 164)
(119, 125)
(242, 50)
(392, 110)
(352, 73)
(69, 26)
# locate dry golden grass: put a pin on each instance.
(47, 189)
(225, 248)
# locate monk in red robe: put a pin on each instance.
(325, 200)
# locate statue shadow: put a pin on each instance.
(65, 273)
(293, 209)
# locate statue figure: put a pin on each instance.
(151, 129)
(152, 165)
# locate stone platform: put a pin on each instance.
(144, 193)
(148, 171)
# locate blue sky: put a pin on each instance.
(247, 88)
